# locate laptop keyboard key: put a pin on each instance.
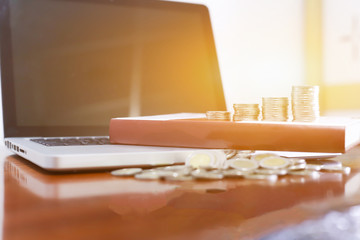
(76, 141)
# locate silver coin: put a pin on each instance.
(181, 169)
(297, 167)
(315, 167)
(274, 162)
(261, 156)
(164, 174)
(150, 175)
(243, 164)
(230, 153)
(295, 161)
(324, 162)
(342, 169)
(200, 174)
(233, 173)
(271, 171)
(179, 178)
(126, 172)
(305, 172)
(261, 177)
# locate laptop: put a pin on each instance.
(69, 66)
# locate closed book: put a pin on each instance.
(328, 134)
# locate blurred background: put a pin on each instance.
(265, 47)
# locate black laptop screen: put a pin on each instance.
(70, 66)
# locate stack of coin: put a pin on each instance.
(246, 112)
(218, 115)
(305, 103)
(275, 108)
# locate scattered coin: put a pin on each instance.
(234, 173)
(274, 162)
(266, 166)
(309, 173)
(324, 162)
(243, 164)
(261, 177)
(278, 172)
(126, 172)
(179, 178)
(342, 169)
(315, 167)
(202, 159)
(230, 153)
(201, 174)
(260, 156)
(150, 175)
(296, 167)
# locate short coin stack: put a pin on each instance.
(305, 103)
(266, 166)
(218, 115)
(246, 112)
(275, 108)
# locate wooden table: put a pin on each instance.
(40, 205)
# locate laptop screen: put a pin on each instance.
(69, 66)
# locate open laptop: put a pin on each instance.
(69, 66)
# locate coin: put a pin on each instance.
(201, 174)
(243, 164)
(179, 178)
(230, 153)
(149, 175)
(126, 172)
(297, 167)
(246, 112)
(305, 172)
(305, 103)
(275, 108)
(295, 161)
(315, 167)
(218, 115)
(271, 171)
(261, 156)
(274, 162)
(324, 162)
(342, 169)
(200, 159)
(233, 173)
(261, 177)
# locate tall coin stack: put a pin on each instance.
(246, 112)
(218, 115)
(275, 109)
(305, 103)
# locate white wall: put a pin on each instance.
(260, 45)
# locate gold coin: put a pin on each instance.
(200, 159)
(243, 164)
(274, 162)
(260, 156)
(329, 168)
(271, 171)
(202, 174)
(305, 172)
(126, 172)
(261, 177)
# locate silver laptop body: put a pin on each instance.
(69, 66)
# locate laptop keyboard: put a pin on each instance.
(72, 141)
